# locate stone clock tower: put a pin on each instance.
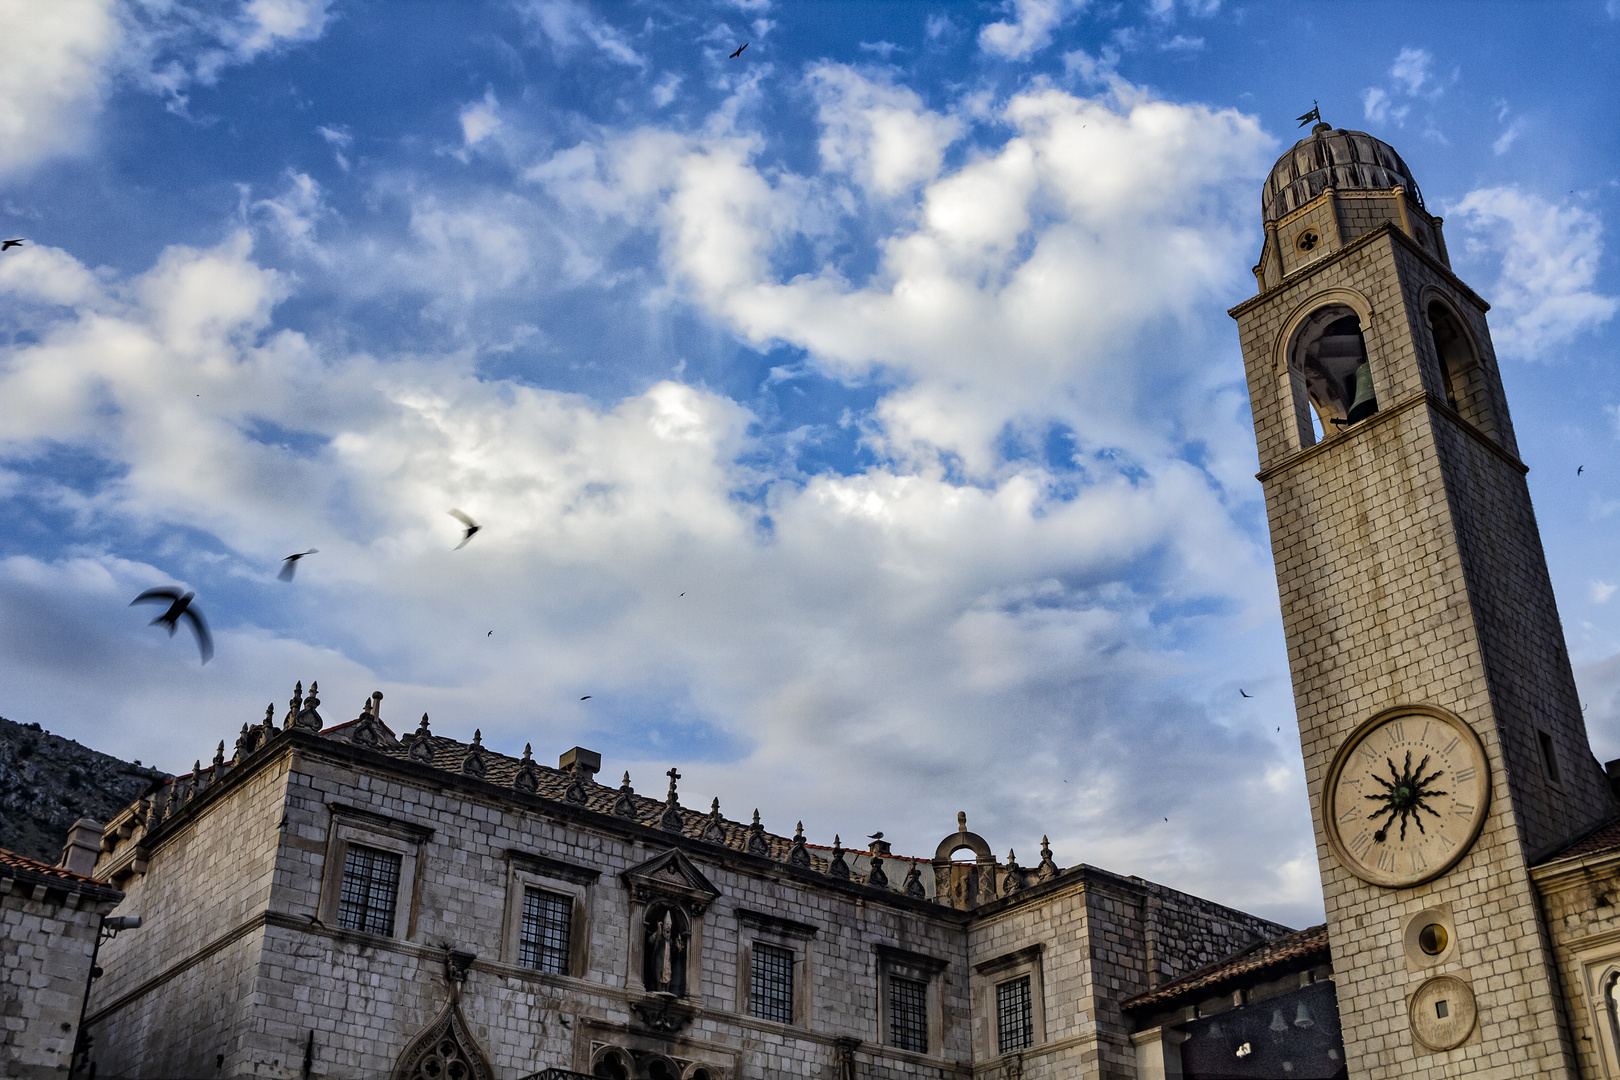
(1444, 746)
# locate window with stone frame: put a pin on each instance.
(770, 984)
(1015, 1015)
(908, 1014)
(545, 932)
(370, 890)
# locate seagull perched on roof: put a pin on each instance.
(472, 527)
(876, 836)
(179, 608)
(290, 563)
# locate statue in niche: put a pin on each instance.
(663, 957)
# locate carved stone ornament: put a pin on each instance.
(714, 830)
(836, 866)
(758, 843)
(308, 719)
(474, 764)
(671, 820)
(369, 730)
(527, 777)
(294, 704)
(914, 886)
(1048, 869)
(875, 877)
(625, 805)
(1014, 880)
(797, 855)
(665, 1013)
(846, 1046)
(446, 1048)
(421, 743)
(670, 876)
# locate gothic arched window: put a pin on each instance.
(1460, 372)
(666, 934)
(1330, 373)
(613, 1064)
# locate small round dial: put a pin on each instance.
(1406, 796)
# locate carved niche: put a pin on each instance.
(670, 895)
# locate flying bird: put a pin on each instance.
(587, 697)
(490, 634)
(876, 836)
(1580, 469)
(738, 53)
(9, 244)
(1242, 691)
(290, 564)
(472, 527)
(179, 608)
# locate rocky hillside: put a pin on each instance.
(48, 782)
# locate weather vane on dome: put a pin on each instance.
(1314, 114)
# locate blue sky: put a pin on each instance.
(896, 344)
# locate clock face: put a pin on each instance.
(1406, 796)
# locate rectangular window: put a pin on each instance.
(1015, 1021)
(547, 923)
(908, 1014)
(1549, 756)
(370, 889)
(770, 984)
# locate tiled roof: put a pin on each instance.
(15, 865)
(1279, 952)
(1603, 839)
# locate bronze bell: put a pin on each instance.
(1365, 402)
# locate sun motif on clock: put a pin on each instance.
(1406, 796)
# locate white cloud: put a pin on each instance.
(1412, 77)
(1181, 43)
(1601, 591)
(1029, 31)
(568, 24)
(480, 119)
(52, 72)
(881, 134)
(1378, 107)
(1506, 140)
(666, 88)
(1549, 262)
(1411, 71)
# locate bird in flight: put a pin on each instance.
(738, 53)
(289, 565)
(179, 608)
(9, 244)
(472, 527)
(876, 836)
(1580, 469)
(587, 697)
(490, 634)
(1242, 691)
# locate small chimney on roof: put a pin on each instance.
(83, 847)
(581, 760)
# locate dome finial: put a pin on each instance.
(1314, 114)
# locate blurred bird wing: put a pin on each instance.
(205, 640)
(289, 566)
(153, 596)
(464, 519)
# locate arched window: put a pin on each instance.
(658, 1067)
(666, 934)
(613, 1064)
(1460, 373)
(1330, 373)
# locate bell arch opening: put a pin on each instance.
(1461, 374)
(1330, 373)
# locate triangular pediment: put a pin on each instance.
(671, 876)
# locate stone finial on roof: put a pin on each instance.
(797, 855)
(421, 743)
(836, 866)
(875, 876)
(1014, 879)
(242, 745)
(527, 777)
(670, 820)
(219, 758)
(474, 764)
(758, 843)
(625, 805)
(160, 807)
(714, 831)
(294, 705)
(269, 728)
(308, 718)
(914, 886)
(1048, 869)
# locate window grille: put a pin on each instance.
(1015, 1020)
(543, 939)
(770, 989)
(908, 1014)
(370, 889)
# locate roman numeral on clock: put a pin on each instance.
(1465, 776)
(1397, 732)
(1464, 810)
(1419, 862)
(1361, 843)
(1386, 861)
(1349, 816)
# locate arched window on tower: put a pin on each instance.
(1330, 373)
(1460, 372)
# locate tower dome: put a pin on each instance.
(1333, 158)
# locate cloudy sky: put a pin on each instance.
(856, 421)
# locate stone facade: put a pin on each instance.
(1411, 573)
(49, 919)
(245, 967)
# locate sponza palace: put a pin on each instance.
(358, 901)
